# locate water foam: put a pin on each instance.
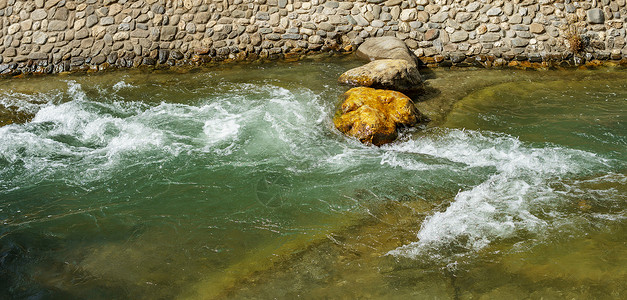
(122, 85)
(508, 204)
(82, 134)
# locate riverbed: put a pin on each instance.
(231, 181)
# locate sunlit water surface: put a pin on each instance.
(232, 182)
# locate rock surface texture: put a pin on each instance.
(373, 116)
(386, 48)
(57, 36)
(390, 74)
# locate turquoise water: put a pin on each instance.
(232, 182)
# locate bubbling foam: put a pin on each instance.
(507, 205)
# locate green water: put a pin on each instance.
(232, 182)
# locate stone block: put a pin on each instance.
(595, 16)
(490, 37)
(536, 28)
(459, 36)
(120, 36)
(14, 28)
(38, 56)
(494, 11)
(432, 34)
(519, 42)
(81, 34)
(408, 15)
(107, 21)
(57, 25)
(439, 17)
(91, 21)
(40, 38)
(38, 15)
(168, 33)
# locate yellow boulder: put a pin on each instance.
(373, 115)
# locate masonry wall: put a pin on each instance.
(57, 35)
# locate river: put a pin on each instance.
(232, 182)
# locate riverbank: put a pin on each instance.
(44, 37)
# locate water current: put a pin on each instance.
(232, 182)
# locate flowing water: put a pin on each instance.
(232, 182)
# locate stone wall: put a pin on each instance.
(58, 35)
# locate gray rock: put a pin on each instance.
(351, 20)
(190, 28)
(263, 16)
(473, 6)
(38, 15)
(168, 33)
(13, 28)
(91, 21)
(107, 21)
(273, 37)
(163, 55)
(409, 15)
(385, 17)
(415, 24)
(490, 37)
(393, 2)
(38, 56)
(515, 19)
(60, 14)
(124, 27)
(361, 21)
(463, 17)
(376, 11)
(291, 36)
(390, 74)
(495, 11)
(459, 36)
(377, 24)
(326, 27)
(524, 34)
(39, 38)
(98, 60)
(519, 27)
(120, 36)
(330, 4)
(315, 39)
(470, 25)
(386, 47)
(439, 17)
(508, 8)
(158, 9)
(518, 42)
(176, 54)
(56, 25)
(596, 16)
(149, 61)
(458, 57)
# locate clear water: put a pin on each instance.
(232, 182)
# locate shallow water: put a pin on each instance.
(232, 182)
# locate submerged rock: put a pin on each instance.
(391, 74)
(373, 115)
(8, 116)
(386, 47)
